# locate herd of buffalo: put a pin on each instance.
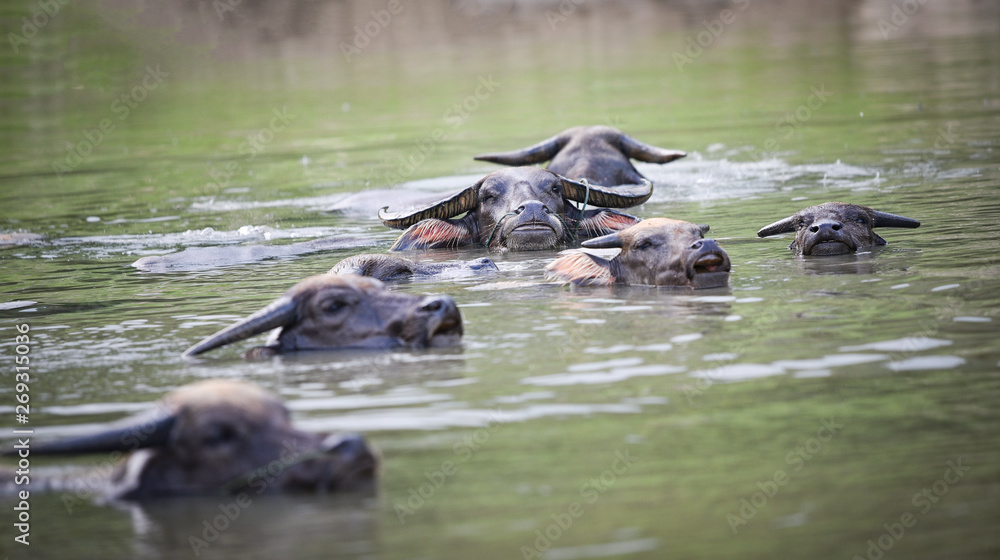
(216, 436)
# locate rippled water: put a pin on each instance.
(802, 411)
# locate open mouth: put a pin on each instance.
(712, 262)
(709, 270)
(448, 333)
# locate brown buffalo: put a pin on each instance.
(222, 437)
(521, 209)
(333, 311)
(599, 154)
(654, 252)
(835, 228)
(391, 268)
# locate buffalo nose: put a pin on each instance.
(443, 305)
(835, 226)
(534, 207)
(706, 244)
(350, 446)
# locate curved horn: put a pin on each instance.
(617, 197)
(280, 313)
(609, 241)
(540, 152)
(704, 228)
(128, 438)
(885, 219)
(781, 226)
(647, 152)
(463, 201)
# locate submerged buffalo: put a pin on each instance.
(599, 154)
(219, 437)
(334, 311)
(835, 228)
(391, 268)
(519, 209)
(654, 252)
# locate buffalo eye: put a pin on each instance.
(219, 434)
(644, 244)
(862, 220)
(334, 306)
(556, 188)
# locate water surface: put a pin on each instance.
(802, 411)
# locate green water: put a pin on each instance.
(803, 412)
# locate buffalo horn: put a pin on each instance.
(280, 313)
(781, 226)
(609, 241)
(540, 152)
(646, 152)
(617, 197)
(885, 219)
(463, 201)
(128, 438)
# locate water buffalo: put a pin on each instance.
(835, 228)
(333, 311)
(390, 268)
(599, 154)
(220, 437)
(521, 208)
(654, 252)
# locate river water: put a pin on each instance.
(833, 407)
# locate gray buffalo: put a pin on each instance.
(599, 154)
(219, 437)
(334, 311)
(654, 252)
(391, 268)
(835, 228)
(521, 209)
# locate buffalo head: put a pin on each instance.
(654, 252)
(344, 311)
(390, 268)
(522, 208)
(223, 437)
(835, 228)
(599, 154)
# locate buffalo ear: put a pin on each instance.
(581, 269)
(434, 234)
(781, 226)
(594, 223)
